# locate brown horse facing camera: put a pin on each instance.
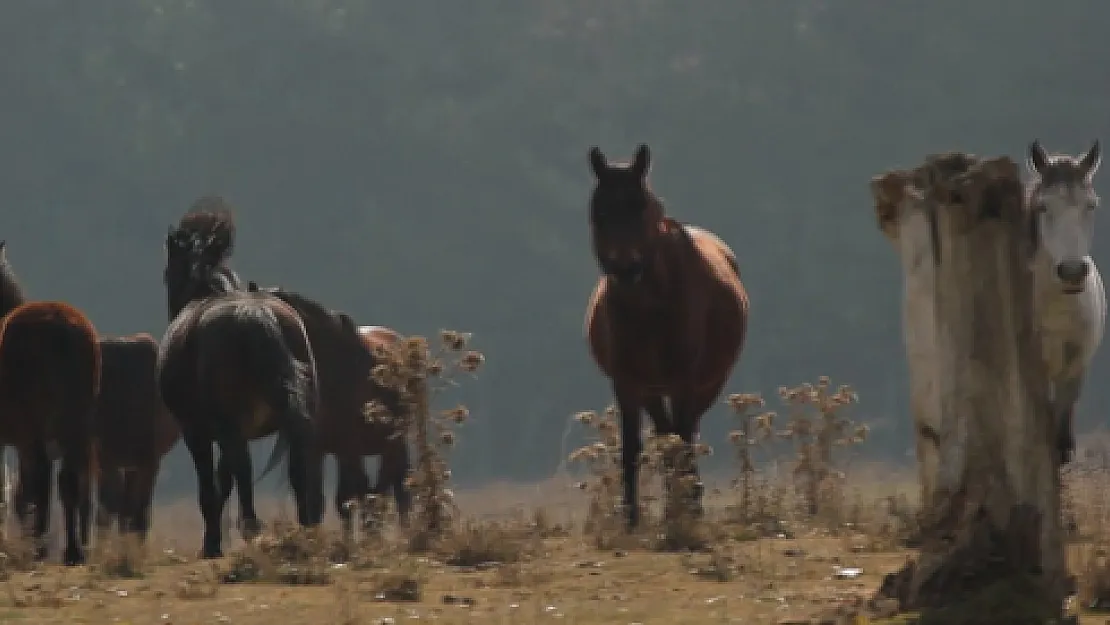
(235, 366)
(134, 431)
(49, 380)
(344, 361)
(668, 316)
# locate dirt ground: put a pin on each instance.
(523, 555)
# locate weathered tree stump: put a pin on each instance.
(992, 545)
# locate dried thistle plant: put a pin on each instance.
(601, 457)
(756, 429)
(815, 428)
(663, 456)
(416, 370)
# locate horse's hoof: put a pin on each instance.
(74, 556)
(40, 553)
(211, 553)
(250, 529)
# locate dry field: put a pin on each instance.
(517, 555)
(801, 532)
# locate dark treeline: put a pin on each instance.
(423, 165)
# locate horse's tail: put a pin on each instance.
(294, 394)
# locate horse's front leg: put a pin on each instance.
(687, 410)
(629, 405)
(1065, 397)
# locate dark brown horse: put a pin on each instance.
(344, 360)
(235, 366)
(49, 380)
(134, 431)
(668, 317)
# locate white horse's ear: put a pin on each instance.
(1091, 160)
(1037, 159)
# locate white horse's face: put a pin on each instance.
(1063, 201)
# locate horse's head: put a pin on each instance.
(196, 252)
(625, 216)
(1063, 201)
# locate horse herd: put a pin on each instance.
(665, 323)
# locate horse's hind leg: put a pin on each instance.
(33, 495)
(349, 488)
(235, 451)
(139, 496)
(304, 476)
(394, 471)
(200, 448)
(74, 489)
(107, 499)
(225, 481)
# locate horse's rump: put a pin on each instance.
(134, 428)
(49, 362)
(254, 355)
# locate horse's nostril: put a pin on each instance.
(1073, 271)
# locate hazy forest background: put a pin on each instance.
(422, 165)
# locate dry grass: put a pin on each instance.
(805, 545)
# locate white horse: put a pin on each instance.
(1070, 298)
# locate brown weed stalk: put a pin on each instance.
(415, 371)
(816, 427)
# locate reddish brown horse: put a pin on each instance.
(668, 316)
(49, 380)
(235, 366)
(134, 431)
(344, 360)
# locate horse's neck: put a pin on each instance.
(224, 280)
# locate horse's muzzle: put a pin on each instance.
(1073, 274)
(628, 273)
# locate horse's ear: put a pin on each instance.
(346, 322)
(641, 164)
(598, 164)
(1037, 159)
(1091, 160)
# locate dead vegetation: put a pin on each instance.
(801, 534)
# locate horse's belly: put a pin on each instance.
(258, 420)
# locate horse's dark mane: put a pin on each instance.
(11, 293)
(211, 224)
